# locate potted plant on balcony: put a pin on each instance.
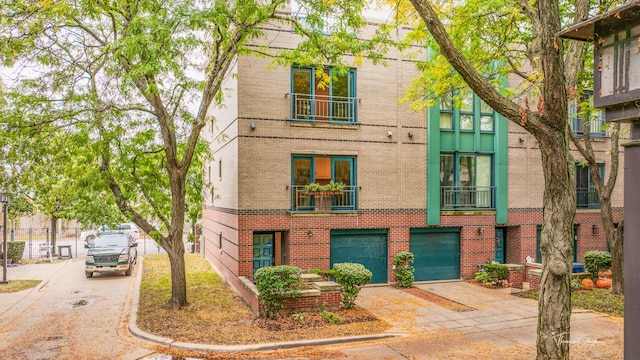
(335, 188)
(314, 189)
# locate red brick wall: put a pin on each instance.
(312, 251)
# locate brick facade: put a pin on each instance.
(253, 143)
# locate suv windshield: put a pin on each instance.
(108, 241)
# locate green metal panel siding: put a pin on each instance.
(467, 142)
(433, 166)
(487, 141)
(501, 172)
(365, 247)
(437, 254)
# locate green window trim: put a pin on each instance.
(312, 100)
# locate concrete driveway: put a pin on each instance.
(67, 316)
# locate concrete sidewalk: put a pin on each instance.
(496, 324)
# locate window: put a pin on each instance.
(586, 195)
(577, 116)
(323, 170)
(460, 109)
(323, 95)
(465, 181)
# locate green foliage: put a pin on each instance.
(277, 284)
(299, 317)
(596, 261)
(576, 284)
(404, 269)
(482, 276)
(331, 318)
(331, 186)
(601, 300)
(326, 274)
(352, 277)
(15, 249)
(495, 272)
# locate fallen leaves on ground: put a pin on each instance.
(217, 316)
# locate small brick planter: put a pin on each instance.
(320, 294)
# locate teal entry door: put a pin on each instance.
(262, 251)
(499, 246)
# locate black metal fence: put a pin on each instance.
(35, 238)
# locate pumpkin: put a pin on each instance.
(587, 284)
(603, 283)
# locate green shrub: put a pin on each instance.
(596, 261)
(15, 249)
(326, 274)
(352, 277)
(404, 269)
(330, 317)
(495, 272)
(482, 276)
(275, 285)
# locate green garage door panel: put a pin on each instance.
(367, 248)
(437, 254)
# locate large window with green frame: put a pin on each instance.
(323, 95)
(467, 147)
(308, 169)
(466, 181)
(464, 111)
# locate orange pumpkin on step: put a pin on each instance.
(603, 283)
(587, 284)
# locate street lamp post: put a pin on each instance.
(616, 72)
(4, 199)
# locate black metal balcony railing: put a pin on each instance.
(587, 198)
(303, 200)
(467, 197)
(308, 107)
(595, 126)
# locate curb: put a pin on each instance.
(138, 333)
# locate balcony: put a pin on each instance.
(338, 109)
(304, 201)
(587, 199)
(467, 197)
(595, 126)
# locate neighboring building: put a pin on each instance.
(457, 186)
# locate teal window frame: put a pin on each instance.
(348, 202)
(452, 108)
(596, 122)
(473, 200)
(586, 195)
(351, 102)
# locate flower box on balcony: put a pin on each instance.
(333, 188)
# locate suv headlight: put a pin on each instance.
(123, 258)
(90, 259)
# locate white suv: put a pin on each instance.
(130, 228)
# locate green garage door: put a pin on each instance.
(437, 253)
(366, 247)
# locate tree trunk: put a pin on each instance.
(178, 277)
(616, 245)
(554, 303)
(54, 232)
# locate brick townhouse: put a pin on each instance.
(456, 185)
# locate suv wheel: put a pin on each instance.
(88, 274)
(89, 240)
